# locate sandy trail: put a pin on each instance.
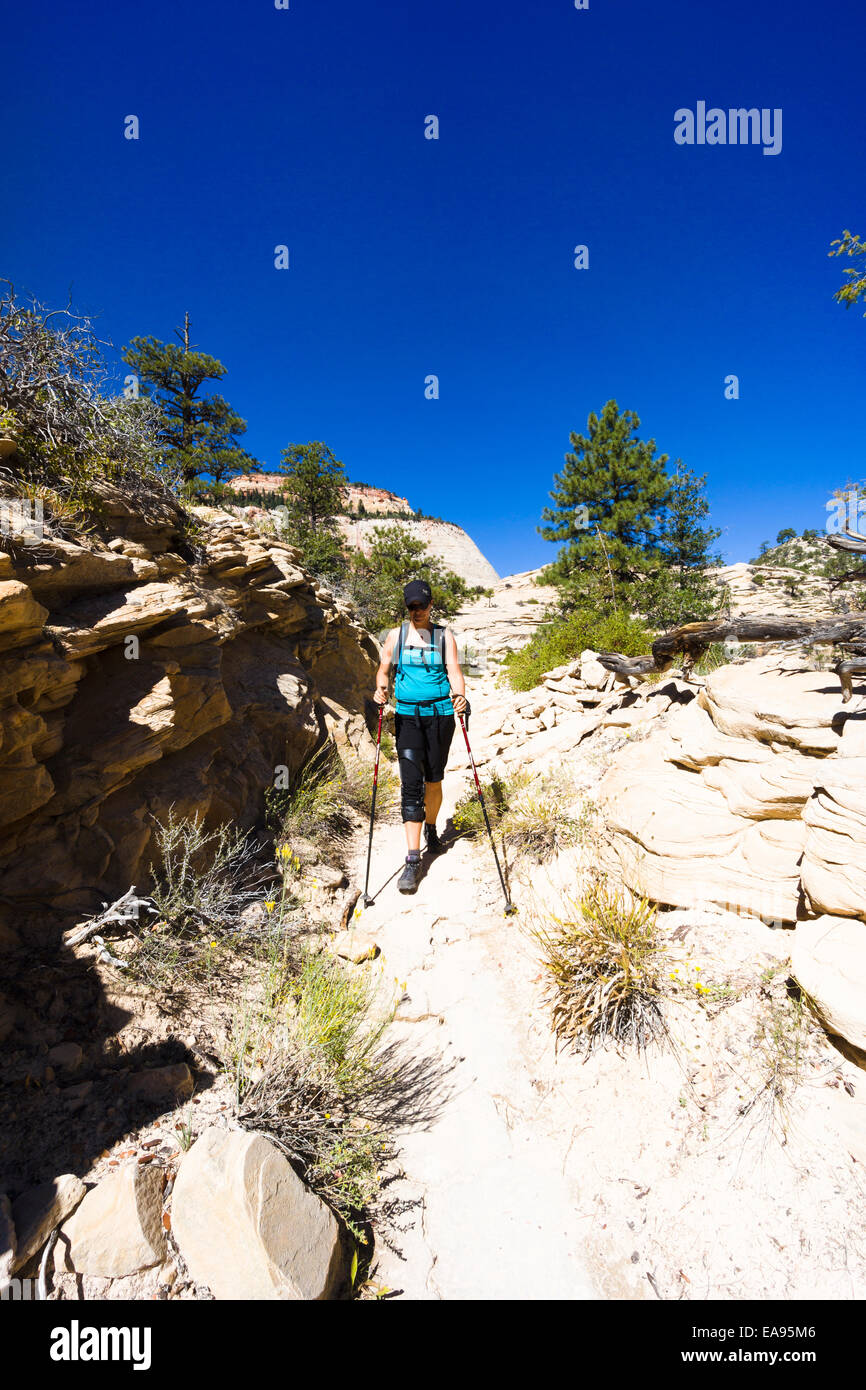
(497, 1215)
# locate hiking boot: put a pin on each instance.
(431, 840)
(408, 880)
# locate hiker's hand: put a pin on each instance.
(459, 702)
(381, 695)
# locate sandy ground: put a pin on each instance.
(682, 1174)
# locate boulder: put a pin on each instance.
(326, 876)
(171, 1083)
(355, 946)
(829, 962)
(117, 1228)
(21, 617)
(592, 673)
(65, 1056)
(248, 1227)
(40, 1209)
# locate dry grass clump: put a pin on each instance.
(525, 812)
(604, 966)
(781, 1051)
(357, 786)
(311, 1069)
(535, 823)
(323, 798)
(498, 793)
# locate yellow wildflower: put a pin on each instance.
(270, 905)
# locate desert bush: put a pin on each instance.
(603, 962)
(205, 885)
(70, 428)
(563, 639)
(206, 879)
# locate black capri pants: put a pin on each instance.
(422, 752)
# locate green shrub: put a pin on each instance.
(560, 641)
(498, 791)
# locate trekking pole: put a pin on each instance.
(510, 909)
(367, 899)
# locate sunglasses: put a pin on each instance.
(418, 607)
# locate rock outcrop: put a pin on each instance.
(490, 627)
(782, 590)
(373, 500)
(143, 671)
(247, 1226)
(749, 799)
(752, 799)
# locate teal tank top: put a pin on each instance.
(416, 681)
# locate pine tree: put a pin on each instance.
(199, 433)
(313, 495)
(679, 590)
(376, 580)
(610, 499)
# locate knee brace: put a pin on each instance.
(411, 762)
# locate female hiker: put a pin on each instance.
(428, 690)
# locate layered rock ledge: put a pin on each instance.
(153, 669)
(752, 798)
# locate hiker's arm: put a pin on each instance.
(455, 674)
(383, 675)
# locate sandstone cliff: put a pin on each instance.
(139, 671)
(449, 543)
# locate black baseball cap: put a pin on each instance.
(417, 592)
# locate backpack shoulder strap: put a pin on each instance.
(438, 635)
(400, 640)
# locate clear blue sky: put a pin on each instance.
(408, 256)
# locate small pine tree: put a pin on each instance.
(313, 496)
(199, 434)
(680, 590)
(376, 581)
(609, 500)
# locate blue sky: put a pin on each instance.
(410, 256)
